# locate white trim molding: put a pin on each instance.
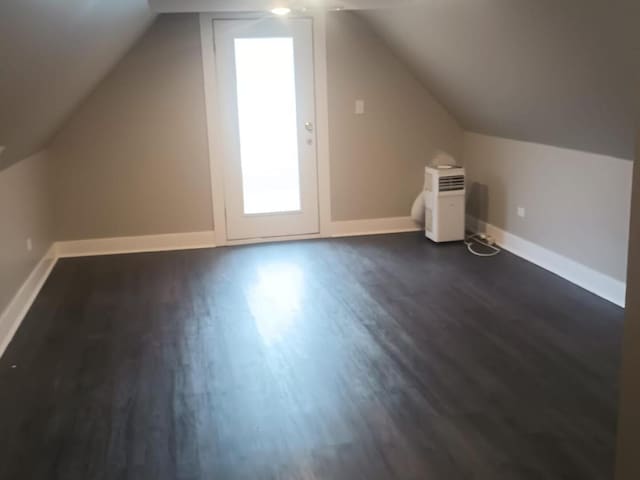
(322, 120)
(214, 127)
(14, 313)
(215, 122)
(373, 226)
(144, 243)
(598, 283)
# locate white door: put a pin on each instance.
(266, 91)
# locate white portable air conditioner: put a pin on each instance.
(444, 199)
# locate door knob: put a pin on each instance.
(309, 126)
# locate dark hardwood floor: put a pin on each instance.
(370, 358)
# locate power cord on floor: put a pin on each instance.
(480, 239)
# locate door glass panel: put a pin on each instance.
(265, 78)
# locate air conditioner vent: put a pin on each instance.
(452, 183)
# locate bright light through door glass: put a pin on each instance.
(267, 118)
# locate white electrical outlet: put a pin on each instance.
(359, 107)
(29, 244)
(522, 212)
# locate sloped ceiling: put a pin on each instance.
(563, 73)
(558, 72)
(52, 53)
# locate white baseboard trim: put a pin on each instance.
(145, 243)
(373, 226)
(595, 282)
(598, 283)
(14, 313)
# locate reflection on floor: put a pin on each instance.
(382, 357)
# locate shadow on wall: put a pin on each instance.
(478, 202)
(489, 210)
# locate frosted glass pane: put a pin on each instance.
(265, 77)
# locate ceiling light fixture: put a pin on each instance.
(281, 11)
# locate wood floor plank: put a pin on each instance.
(385, 357)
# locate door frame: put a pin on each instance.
(214, 121)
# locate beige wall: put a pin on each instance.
(577, 204)
(628, 463)
(24, 213)
(133, 159)
(377, 159)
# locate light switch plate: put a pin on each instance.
(1, 149)
(359, 107)
(522, 212)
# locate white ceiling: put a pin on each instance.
(564, 73)
(52, 53)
